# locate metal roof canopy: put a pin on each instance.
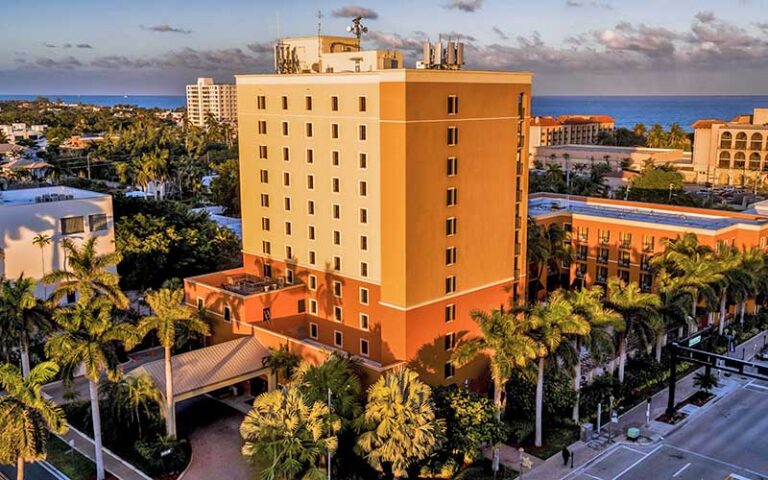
(210, 368)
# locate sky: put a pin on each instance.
(573, 47)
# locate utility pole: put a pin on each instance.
(672, 378)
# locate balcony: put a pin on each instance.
(645, 266)
(624, 262)
(625, 244)
(603, 260)
(604, 240)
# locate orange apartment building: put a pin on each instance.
(381, 205)
(615, 238)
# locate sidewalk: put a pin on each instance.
(112, 463)
(553, 469)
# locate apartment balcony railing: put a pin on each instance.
(604, 240)
(625, 244)
(602, 260)
(645, 266)
(623, 262)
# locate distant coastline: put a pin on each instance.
(627, 110)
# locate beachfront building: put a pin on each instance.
(614, 238)
(569, 129)
(55, 213)
(379, 206)
(732, 153)
(207, 98)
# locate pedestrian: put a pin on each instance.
(566, 455)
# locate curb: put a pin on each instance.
(189, 464)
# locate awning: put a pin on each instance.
(207, 369)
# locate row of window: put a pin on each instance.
(604, 237)
(740, 161)
(309, 156)
(362, 185)
(335, 208)
(755, 141)
(309, 130)
(266, 247)
(74, 225)
(362, 103)
(338, 339)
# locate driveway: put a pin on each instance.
(213, 430)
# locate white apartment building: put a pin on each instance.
(58, 213)
(207, 97)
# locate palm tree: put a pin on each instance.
(705, 382)
(399, 426)
(753, 262)
(588, 303)
(337, 376)
(551, 323)
(640, 312)
(281, 362)
(87, 274)
(25, 415)
(503, 338)
(26, 316)
(42, 240)
(169, 313)
(288, 435)
(134, 392)
(547, 246)
(90, 337)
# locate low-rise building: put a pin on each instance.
(57, 213)
(732, 153)
(207, 98)
(584, 156)
(21, 131)
(569, 129)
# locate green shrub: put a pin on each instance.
(163, 455)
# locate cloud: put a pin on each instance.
(261, 47)
(165, 28)
(591, 4)
(66, 63)
(84, 45)
(67, 45)
(500, 33)
(49, 45)
(464, 5)
(355, 11)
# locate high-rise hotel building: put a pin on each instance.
(381, 205)
(207, 98)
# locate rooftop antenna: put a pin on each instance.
(358, 29)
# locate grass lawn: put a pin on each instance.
(74, 465)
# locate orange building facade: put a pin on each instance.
(615, 238)
(380, 207)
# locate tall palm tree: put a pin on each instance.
(737, 280)
(169, 313)
(288, 435)
(588, 303)
(134, 393)
(399, 426)
(26, 416)
(41, 241)
(90, 337)
(641, 316)
(504, 340)
(551, 324)
(26, 316)
(281, 362)
(754, 263)
(87, 274)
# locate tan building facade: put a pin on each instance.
(569, 129)
(207, 98)
(385, 195)
(58, 213)
(732, 153)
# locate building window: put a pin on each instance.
(286, 179)
(337, 289)
(624, 259)
(648, 242)
(363, 269)
(265, 224)
(335, 158)
(336, 237)
(308, 102)
(453, 166)
(363, 188)
(313, 306)
(200, 303)
(285, 102)
(450, 341)
(310, 156)
(450, 226)
(450, 284)
(97, 222)
(604, 236)
(286, 154)
(72, 225)
(625, 240)
(334, 103)
(264, 176)
(266, 247)
(285, 129)
(288, 252)
(336, 211)
(602, 275)
(338, 339)
(624, 276)
(453, 135)
(334, 130)
(287, 204)
(363, 215)
(602, 255)
(364, 322)
(227, 314)
(337, 263)
(451, 197)
(312, 259)
(364, 347)
(335, 185)
(310, 182)
(453, 104)
(310, 207)
(308, 127)
(71, 297)
(311, 232)
(450, 255)
(362, 132)
(261, 102)
(262, 126)
(337, 314)
(361, 104)
(363, 242)
(363, 161)
(312, 326)
(363, 296)
(264, 200)
(312, 282)
(448, 370)
(289, 277)
(450, 312)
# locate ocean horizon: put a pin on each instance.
(626, 109)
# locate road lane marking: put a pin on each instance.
(633, 450)
(591, 476)
(712, 459)
(637, 462)
(681, 470)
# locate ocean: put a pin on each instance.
(627, 110)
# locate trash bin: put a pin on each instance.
(586, 431)
(633, 433)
